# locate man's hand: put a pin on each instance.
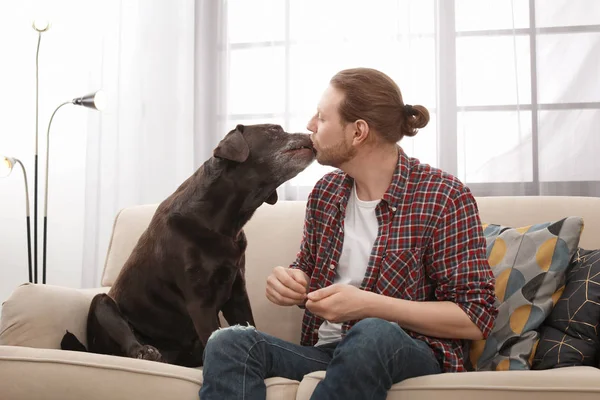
(338, 303)
(287, 286)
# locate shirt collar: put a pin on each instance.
(394, 191)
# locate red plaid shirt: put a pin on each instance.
(430, 246)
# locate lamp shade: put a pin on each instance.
(41, 25)
(6, 166)
(96, 100)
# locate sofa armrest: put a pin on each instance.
(38, 316)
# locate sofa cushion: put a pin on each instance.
(529, 265)
(67, 375)
(37, 315)
(556, 384)
(56, 374)
(569, 336)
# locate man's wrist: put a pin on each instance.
(383, 307)
(372, 305)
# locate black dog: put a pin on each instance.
(189, 263)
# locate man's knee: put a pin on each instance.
(378, 328)
(375, 335)
(231, 334)
(229, 337)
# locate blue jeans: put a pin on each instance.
(373, 356)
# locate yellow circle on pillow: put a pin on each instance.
(501, 282)
(543, 257)
(519, 318)
(523, 229)
(498, 252)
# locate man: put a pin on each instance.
(392, 268)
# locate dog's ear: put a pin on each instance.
(272, 199)
(233, 146)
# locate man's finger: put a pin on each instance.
(276, 298)
(320, 294)
(311, 306)
(316, 308)
(271, 297)
(285, 278)
(299, 276)
(284, 291)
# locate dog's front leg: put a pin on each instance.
(204, 318)
(237, 310)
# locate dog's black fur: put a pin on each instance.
(189, 263)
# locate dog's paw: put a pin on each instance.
(148, 353)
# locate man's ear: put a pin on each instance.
(272, 199)
(361, 131)
(233, 146)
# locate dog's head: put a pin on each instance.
(262, 157)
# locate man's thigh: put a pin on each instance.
(375, 341)
(290, 360)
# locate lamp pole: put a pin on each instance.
(6, 166)
(95, 101)
(40, 26)
(46, 192)
(28, 222)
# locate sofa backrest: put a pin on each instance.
(274, 235)
(519, 211)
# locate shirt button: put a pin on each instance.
(331, 266)
(316, 330)
(394, 209)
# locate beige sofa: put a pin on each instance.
(35, 317)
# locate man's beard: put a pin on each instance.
(336, 155)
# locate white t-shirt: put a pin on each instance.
(360, 232)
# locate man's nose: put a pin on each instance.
(311, 125)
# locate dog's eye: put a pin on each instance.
(276, 128)
(221, 274)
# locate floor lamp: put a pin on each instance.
(40, 26)
(95, 101)
(6, 166)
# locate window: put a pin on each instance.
(514, 84)
(528, 95)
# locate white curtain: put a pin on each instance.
(159, 64)
(163, 73)
(512, 86)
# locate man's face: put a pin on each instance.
(331, 139)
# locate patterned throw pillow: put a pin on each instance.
(570, 334)
(529, 265)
